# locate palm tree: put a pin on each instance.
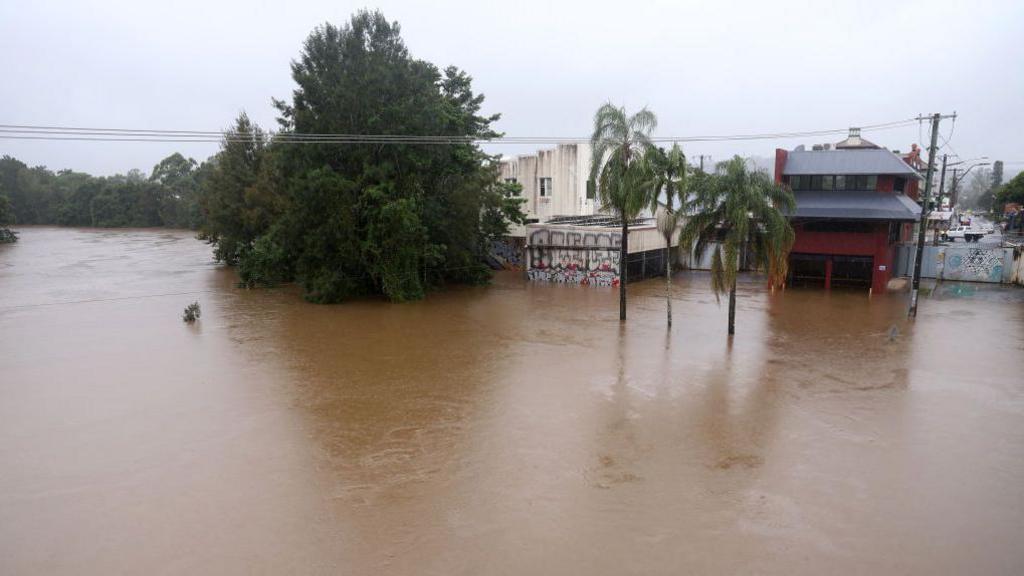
(669, 181)
(735, 210)
(619, 167)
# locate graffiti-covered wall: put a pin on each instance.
(574, 257)
(953, 262)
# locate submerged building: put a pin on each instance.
(566, 238)
(854, 202)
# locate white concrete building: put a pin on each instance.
(554, 182)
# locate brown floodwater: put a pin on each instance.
(509, 429)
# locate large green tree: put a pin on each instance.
(362, 217)
(736, 210)
(234, 215)
(620, 145)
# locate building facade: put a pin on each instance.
(555, 182)
(566, 238)
(854, 202)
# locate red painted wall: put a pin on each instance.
(874, 244)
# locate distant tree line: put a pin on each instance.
(169, 196)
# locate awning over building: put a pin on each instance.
(856, 161)
(855, 206)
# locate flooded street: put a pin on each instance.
(509, 429)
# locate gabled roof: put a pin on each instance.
(849, 161)
(855, 205)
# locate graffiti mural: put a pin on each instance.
(572, 257)
(973, 264)
(507, 253)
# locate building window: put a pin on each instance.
(872, 183)
(856, 182)
(591, 189)
(795, 183)
(899, 184)
(511, 181)
(815, 182)
(840, 182)
(827, 182)
(545, 187)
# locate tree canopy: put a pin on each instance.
(351, 219)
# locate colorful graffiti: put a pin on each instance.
(571, 257)
(972, 264)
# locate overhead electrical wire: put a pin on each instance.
(71, 133)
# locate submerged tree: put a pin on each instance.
(669, 170)
(6, 234)
(619, 165)
(233, 219)
(363, 217)
(734, 211)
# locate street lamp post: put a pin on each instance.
(956, 179)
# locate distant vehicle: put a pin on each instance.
(988, 228)
(968, 233)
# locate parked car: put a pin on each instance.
(968, 233)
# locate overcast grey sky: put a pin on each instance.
(702, 67)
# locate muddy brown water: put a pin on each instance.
(510, 429)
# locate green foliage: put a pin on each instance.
(265, 262)
(67, 198)
(621, 147)
(1012, 191)
(736, 210)
(349, 220)
(669, 171)
(236, 209)
(191, 313)
(6, 235)
(619, 163)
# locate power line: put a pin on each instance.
(86, 134)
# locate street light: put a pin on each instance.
(957, 179)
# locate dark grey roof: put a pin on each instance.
(855, 205)
(851, 161)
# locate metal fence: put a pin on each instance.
(992, 264)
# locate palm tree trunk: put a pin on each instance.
(668, 283)
(623, 269)
(732, 308)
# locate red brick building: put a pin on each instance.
(854, 202)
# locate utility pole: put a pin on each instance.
(702, 156)
(924, 214)
(954, 193)
(938, 204)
